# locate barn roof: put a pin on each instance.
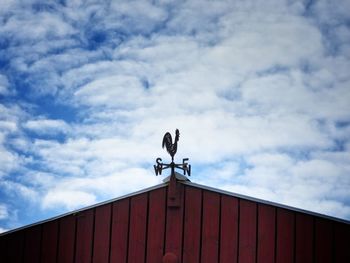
(182, 221)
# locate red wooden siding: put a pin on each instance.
(49, 242)
(137, 228)
(323, 240)
(32, 237)
(229, 229)
(156, 225)
(66, 239)
(341, 243)
(304, 238)
(285, 236)
(192, 225)
(208, 226)
(3, 248)
(102, 234)
(266, 234)
(119, 232)
(84, 234)
(15, 247)
(247, 232)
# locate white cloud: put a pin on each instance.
(11, 113)
(10, 116)
(47, 126)
(8, 126)
(275, 42)
(329, 14)
(141, 15)
(120, 91)
(71, 199)
(84, 157)
(3, 212)
(29, 27)
(74, 192)
(4, 85)
(2, 230)
(9, 161)
(6, 6)
(18, 191)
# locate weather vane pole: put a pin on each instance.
(172, 149)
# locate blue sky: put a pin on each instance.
(260, 91)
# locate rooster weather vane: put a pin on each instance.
(171, 148)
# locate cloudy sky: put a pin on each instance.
(260, 91)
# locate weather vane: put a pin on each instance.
(172, 149)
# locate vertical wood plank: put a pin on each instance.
(120, 226)
(137, 228)
(102, 234)
(66, 239)
(174, 225)
(266, 234)
(285, 236)
(32, 244)
(341, 242)
(85, 221)
(3, 247)
(210, 228)
(156, 225)
(304, 238)
(49, 242)
(192, 225)
(15, 247)
(229, 229)
(323, 240)
(247, 232)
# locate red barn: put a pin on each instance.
(181, 222)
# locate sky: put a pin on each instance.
(260, 91)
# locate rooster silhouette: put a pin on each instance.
(168, 143)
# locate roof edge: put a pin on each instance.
(189, 183)
(86, 208)
(266, 202)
